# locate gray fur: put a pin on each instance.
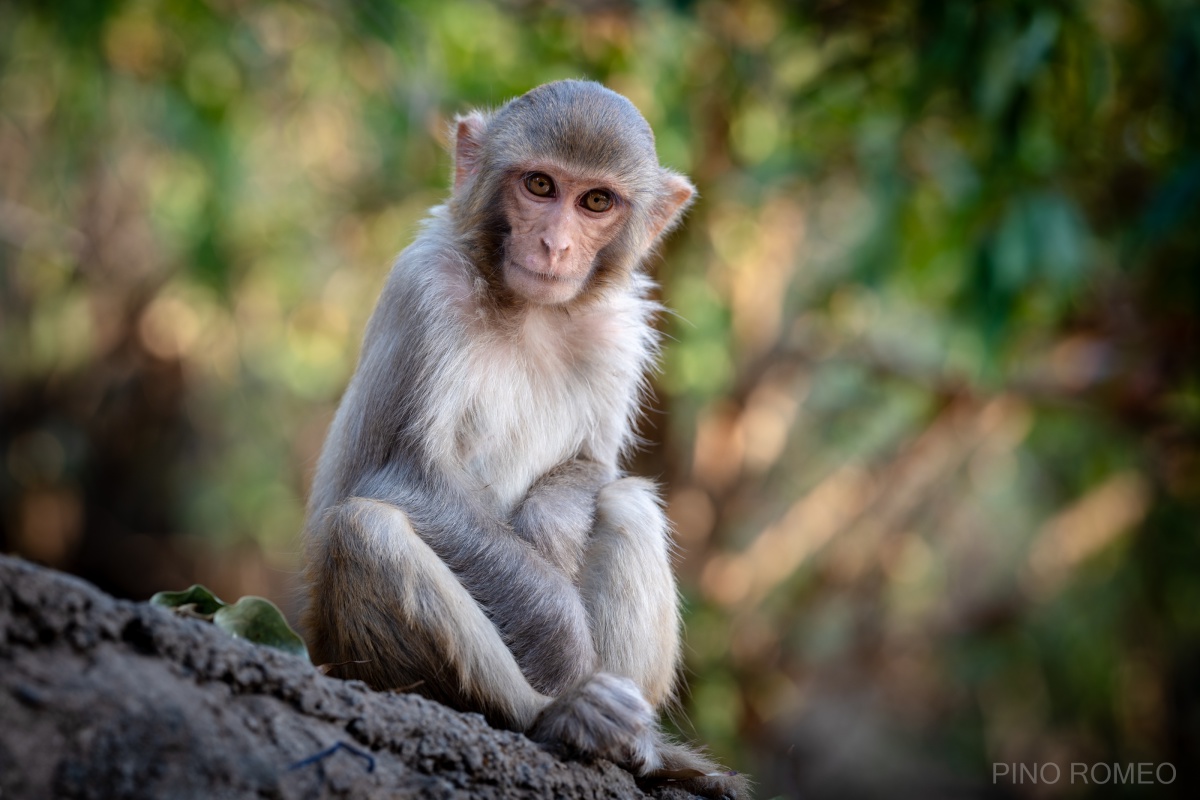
(558, 513)
(469, 533)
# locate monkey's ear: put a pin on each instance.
(674, 197)
(468, 146)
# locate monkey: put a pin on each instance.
(470, 532)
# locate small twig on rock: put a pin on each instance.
(328, 751)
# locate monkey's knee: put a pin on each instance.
(360, 594)
(368, 542)
(631, 506)
(377, 596)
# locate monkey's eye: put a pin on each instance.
(597, 200)
(540, 184)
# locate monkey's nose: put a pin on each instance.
(555, 247)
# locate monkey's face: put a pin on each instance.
(560, 219)
(559, 194)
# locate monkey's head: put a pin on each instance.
(560, 192)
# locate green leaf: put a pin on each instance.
(203, 601)
(258, 620)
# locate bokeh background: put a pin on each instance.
(929, 414)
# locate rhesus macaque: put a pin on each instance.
(471, 535)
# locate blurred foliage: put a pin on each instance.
(930, 411)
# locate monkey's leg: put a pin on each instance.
(383, 596)
(380, 595)
(629, 589)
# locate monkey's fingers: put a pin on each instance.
(603, 717)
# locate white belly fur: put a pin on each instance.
(519, 404)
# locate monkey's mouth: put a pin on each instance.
(544, 277)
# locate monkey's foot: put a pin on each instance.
(602, 717)
(694, 772)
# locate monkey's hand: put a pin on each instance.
(558, 513)
(605, 716)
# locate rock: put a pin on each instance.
(104, 698)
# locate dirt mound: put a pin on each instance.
(103, 698)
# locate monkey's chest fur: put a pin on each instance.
(534, 396)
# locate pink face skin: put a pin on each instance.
(557, 232)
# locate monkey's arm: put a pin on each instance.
(538, 612)
(558, 513)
